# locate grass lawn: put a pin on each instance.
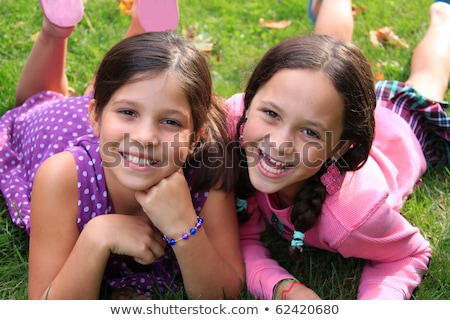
(239, 42)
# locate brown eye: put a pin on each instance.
(311, 133)
(128, 112)
(271, 114)
(171, 122)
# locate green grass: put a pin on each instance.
(239, 43)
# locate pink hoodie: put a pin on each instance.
(362, 220)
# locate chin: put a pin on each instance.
(264, 186)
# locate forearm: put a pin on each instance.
(397, 256)
(262, 272)
(379, 281)
(82, 273)
(206, 274)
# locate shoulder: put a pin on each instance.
(390, 125)
(235, 103)
(93, 192)
(57, 171)
(55, 193)
(235, 106)
(86, 151)
(362, 193)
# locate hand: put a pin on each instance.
(128, 235)
(168, 204)
(295, 291)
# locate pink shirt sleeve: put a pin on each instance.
(262, 272)
(397, 255)
(235, 106)
(360, 222)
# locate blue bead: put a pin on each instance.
(185, 236)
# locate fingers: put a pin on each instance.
(149, 255)
(153, 249)
(157, 245)
(169, 196)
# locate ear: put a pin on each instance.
(197, 137)
(94, 117)
(192, 148)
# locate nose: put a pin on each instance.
(283, 142)
(146, 134)
(286, 148)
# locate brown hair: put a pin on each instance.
(145, 56)
(351, 76)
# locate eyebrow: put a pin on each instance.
(175, 112)
(317, 125)
(167, 110)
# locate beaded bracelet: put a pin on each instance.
(185, 236)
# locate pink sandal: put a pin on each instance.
(158, 15)
(63, 13)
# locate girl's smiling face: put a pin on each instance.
(293, 123)
(145, 131)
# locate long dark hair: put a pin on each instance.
(145, 56)
(351, 75)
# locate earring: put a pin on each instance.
(332, 179)
(241, 131)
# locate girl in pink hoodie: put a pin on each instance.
(328, 159)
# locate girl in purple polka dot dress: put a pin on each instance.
(114, 187)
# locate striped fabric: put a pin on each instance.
(428, 119)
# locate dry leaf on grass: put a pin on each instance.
(356, 11)
(190, 33)
(71, 92)
(201, 42)
(20, 23)
(125, 6)
(379, 74)
(204, 45)
(385, 36)
(274, 24)
(33, 37)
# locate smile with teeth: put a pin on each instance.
(139, 161)
(273, 165)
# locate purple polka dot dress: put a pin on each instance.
(29, 134)
(48, 123)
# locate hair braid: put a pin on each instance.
(307, 207)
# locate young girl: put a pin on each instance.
(118, 205)
(328, 164)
